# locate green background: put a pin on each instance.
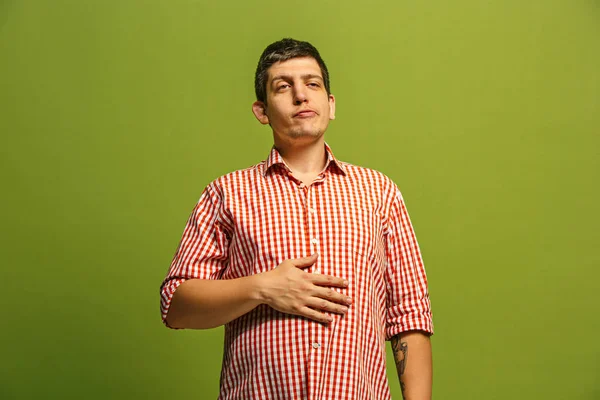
(114, 115)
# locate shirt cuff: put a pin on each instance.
(166, 294)
(417, 321)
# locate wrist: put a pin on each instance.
(258, 289)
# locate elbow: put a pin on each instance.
(182, 318)
(175, 318)
(172, 323)
(183, 310)
(171, 320)
(172, 316)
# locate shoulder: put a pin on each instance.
(369, 177)
(237, 180)
(378, 191)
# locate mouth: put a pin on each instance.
(305, 114)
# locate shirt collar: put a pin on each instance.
(276, 159)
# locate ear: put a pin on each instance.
(331, 106)
(260, 112)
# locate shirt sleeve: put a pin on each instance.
(203, 250)
(408, 305)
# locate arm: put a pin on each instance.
(193, 295)
(202, 304)
(409, 322)
(415, 373)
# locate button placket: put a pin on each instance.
(315, 331)
(310, 222)
(313, 226)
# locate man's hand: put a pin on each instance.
(289, 289)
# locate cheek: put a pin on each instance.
(275, 118)
(275, 112)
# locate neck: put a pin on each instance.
(304, 159)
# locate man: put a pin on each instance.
(310, 263)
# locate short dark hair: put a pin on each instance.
(283, 50)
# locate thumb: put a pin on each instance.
(305, 261)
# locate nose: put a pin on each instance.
(299, 94)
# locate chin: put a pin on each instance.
(312, 134)
(299, 136)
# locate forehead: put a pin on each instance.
(295, 67)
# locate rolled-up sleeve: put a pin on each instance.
(202, 252)
(408, 305)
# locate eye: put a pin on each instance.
(314, 84)
(283, 86)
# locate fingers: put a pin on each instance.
(316, 315)
(305, 261)
(316, 309)
(323, 305)
(332, 296)
(328, 280)
(308, 295)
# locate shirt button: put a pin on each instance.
(311, 210)
(316, 345)
(314, 241)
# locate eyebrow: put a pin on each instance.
(304, 77)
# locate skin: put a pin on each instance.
(412, 353)
(298, 109)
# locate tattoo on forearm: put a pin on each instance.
(400, 350)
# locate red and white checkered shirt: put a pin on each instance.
(249, 221)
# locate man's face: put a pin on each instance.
(298, 107)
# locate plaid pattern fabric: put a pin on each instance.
(249, 221)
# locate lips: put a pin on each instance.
(305, 114)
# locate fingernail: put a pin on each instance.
(345, 283)
(348, 300)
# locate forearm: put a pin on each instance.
(412, 352)
(203, 304)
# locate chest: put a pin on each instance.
(282, 219)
